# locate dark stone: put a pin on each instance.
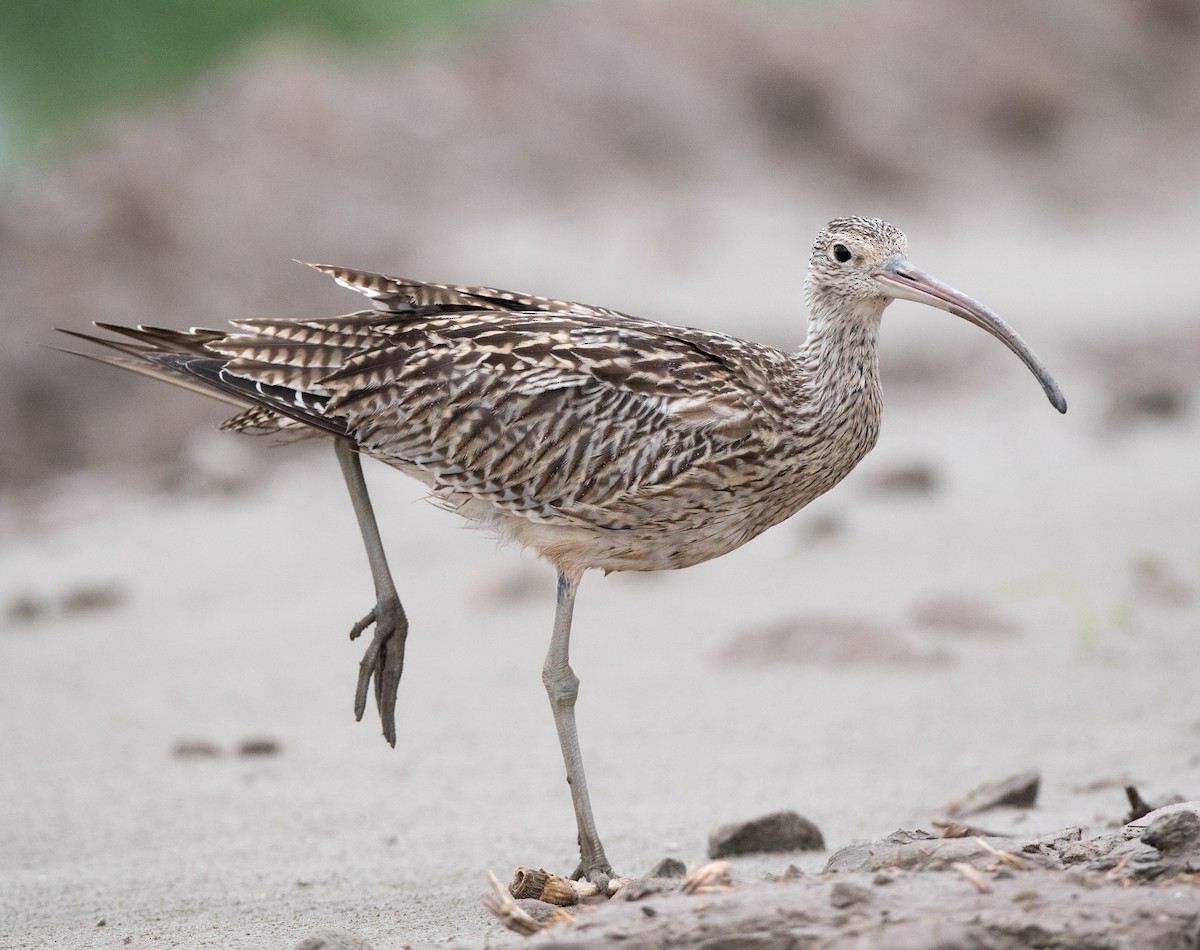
(1016, 791)
(259, 747)
(781, 831)
(668, 867)
(1174, 833)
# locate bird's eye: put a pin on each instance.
(841, 253)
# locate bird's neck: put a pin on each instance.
(840, 353)
(838, 365)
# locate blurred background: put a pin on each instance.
(163, 163)
(997, 587)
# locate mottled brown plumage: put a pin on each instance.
(598, 439)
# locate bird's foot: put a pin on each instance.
(598, 874)
(383, 661)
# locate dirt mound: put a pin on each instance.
(1136, 887)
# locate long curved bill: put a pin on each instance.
(904, 281)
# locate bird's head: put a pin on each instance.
(860, 262)
(847, 255)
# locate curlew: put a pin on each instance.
(598, 439)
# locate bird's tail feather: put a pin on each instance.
(135, 360)
(180, 357)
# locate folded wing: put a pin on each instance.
(537, 405)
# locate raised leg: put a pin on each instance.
(562, 685)
(384, 658)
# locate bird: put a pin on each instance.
(600, 440)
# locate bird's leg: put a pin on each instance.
(562, 685)
(384, 658)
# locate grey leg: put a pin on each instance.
(384, 658)
(562, 685)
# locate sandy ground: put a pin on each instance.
(997, 587)
(136, 618)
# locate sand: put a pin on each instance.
(222, 617)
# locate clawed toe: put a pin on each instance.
(357, 630)
(383, 662)
(366, 669)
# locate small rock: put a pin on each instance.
(195, 749)
(25, 608)
(1016, 791)
(781, 831)
(790, 873)
(1177, 832)
(844, 894)
(668, 867)
(259, 747)
(89, 598)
